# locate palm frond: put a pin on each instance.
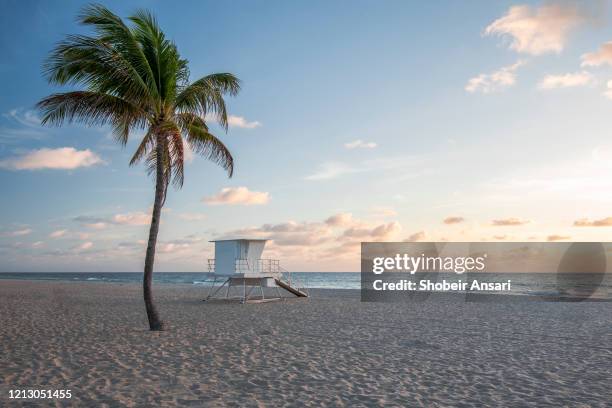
(92, 109)
(205, 96)
(209, 146)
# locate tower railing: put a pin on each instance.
(266, 266)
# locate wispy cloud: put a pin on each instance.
(453, 220)
(27, 118)
(566, 80)
(603, 56)
(331, 170)
(555, 237)
(18, 233)
(509, 222)
(64, 158)
(417, 236)
(130, 219)
(537, 30)
(360, 144)
(58, 233)
(378, 233)
(134, 218)
(584, 222)
(383, 212)
(85, 246)
(21, 125)
(488, 83)
(238, 196)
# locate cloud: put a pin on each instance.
(340, 220)
(551, 238)
(27, 118)
(85, 245)
(383, 212)
(488, 83)
(379, 233)
(584, 222)
(417, 236)
(236, 121)
(238, 196)
(28, 126)
(539, 30)
(453, 220)
(330, 170)
(360, 144)
(241, 122)
(66, 158)
(288, 233)
(58, 233)
(192, 216)
(18, 233)
(96, 225)
(135, 218)
(566, 80)
(500, 237)
(176, 245)
(603, 56)
(509, 222)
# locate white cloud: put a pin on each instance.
(19, 233)
(495, 81)
(238, 196)
(360, 144)
(566, 80)
(241, 122)
(136, 218)
(85, 245)
(600, 57)
(236, 121)
(61, 158)
(58, 233)
(537, 31)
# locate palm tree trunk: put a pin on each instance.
(155, 322)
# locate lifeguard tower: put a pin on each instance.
(238, 266)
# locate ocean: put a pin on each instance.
(540, 284)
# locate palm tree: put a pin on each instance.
(133, 78)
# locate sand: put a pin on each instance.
(329, 350)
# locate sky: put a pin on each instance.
(357, 121)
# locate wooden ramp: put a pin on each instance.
(291, 289)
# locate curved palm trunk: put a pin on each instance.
(154, 321)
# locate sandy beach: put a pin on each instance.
(329, 350)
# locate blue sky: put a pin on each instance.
(356, 121)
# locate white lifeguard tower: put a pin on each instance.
(238, 264)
